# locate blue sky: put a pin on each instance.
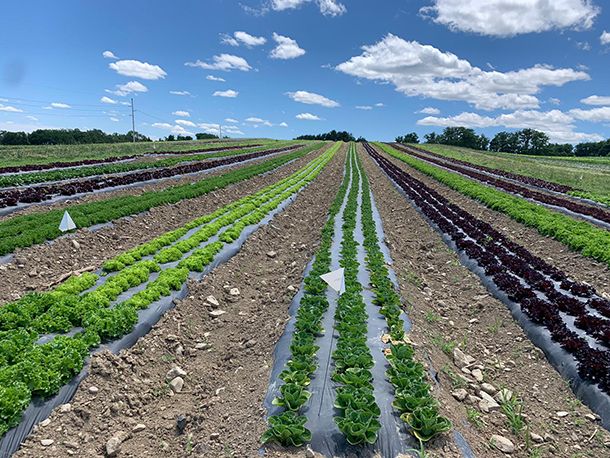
(281, 68)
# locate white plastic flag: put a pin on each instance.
(66, 223)
(336, 280)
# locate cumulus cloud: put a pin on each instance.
(109, 55)
(429, 110)
(286, 48)
(224, 62)
(506, 18)
(425, 71)
(138, 69)
(364, 107)
(32, 118)
(124, 89)
(60, 105)
(600, 114)
(584, 45)
(10, 109)
(181, 93)
(379, 104)
(261, 121)
(184, 114)
(231, 120)
(596, 100)
(311, 98)
(115, 120)
(554, 101)
(215, 78)
(107, 100)
(604, 38)
(330, 8)
(242, 37)
(229, 93)
(185, 123)
(234, 132)
(559, 126)
(308, 117)
(175, 129)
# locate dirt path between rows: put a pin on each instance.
(227, 359)
(37, 266)
(447, 303)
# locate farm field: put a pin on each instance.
(436, 282)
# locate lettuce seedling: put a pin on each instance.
(287, 429)
(426, 423)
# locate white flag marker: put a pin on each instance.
(66, 223)
(335, 280)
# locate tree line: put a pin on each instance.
(66, 137)
(333, 135)
(526, 141)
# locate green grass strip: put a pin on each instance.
(27, 230)
(578, 235)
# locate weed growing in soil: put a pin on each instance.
(455, 379)
(474, 417)
(448, 347)
(431, 317)
(513, 409)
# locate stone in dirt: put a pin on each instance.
(212, 301)
(489, 388)
(176, 384)
(234, 292)
(488, 403)
(478, 375)
(503, 395)
(93, 390)
(113, 446)
(217, 313)
(138, 428)
(502, 444)
(46, 442)
(460, 394)
(271, 254)
(462, 360)
(175, 372)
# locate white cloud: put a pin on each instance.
(233, 132)
(596, 100)
(255, 120)
(600, 114)
(215, 78)
(286, 48)
(10, 109)
(312, 99)
(364, 107)
(327, 7)
(258, 121)
(425, 71)
(229, 93)
(225, 62)
(228, 40)
(138, 69)
(429, 110)
(3, 100)
(124, 89)
(554, 101)
(32, 118)
(125, 103)
(60, 105)
(212, 128)
(505, 18)
(379, 104)
(584, 45)
(180, 93)
(308, 117)
(283, 124)
(184, 114)
(231, 120)
(47, 108)
(249, 40)
(185, 123)
(559, 126)
(604, 38)
(173, 129)
(115, 120)
(107, 100)
(109, 55)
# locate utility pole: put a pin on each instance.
(133, 122)
(220, 130)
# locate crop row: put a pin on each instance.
(87, 162)
(353, 359)
(27, 230)
(413, 398)
(556, 187)
(28, 369)
(288, 428)
(548, 199)
(544, 293)
(41, 193)
(580, 236)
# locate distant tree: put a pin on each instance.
(13, 138)
(184, 138)
(205, 136)
(431, 138)
(361, 139)
(333, 135)
(170, 138)
(409, 138)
